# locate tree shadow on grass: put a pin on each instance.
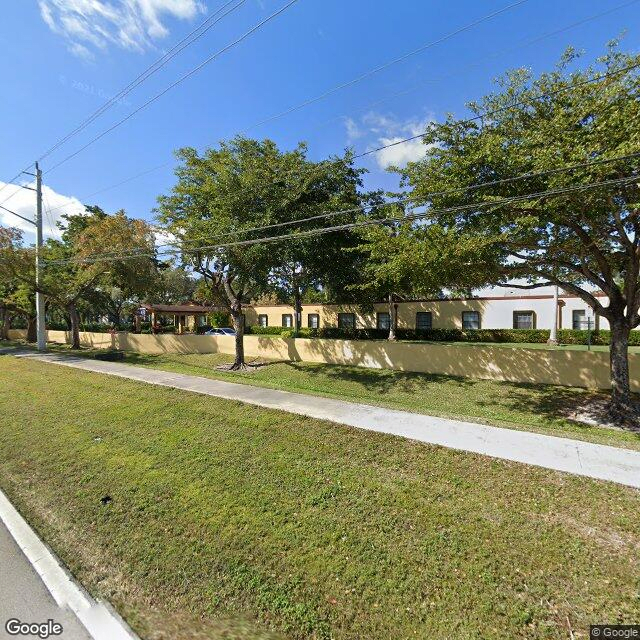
(557, 403)
(377, 381)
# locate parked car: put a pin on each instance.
(220, 331)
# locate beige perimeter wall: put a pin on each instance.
(515, 364)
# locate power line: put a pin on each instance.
(417, 216)
(424, 198)
(525, 43)
(487, 114)
(363, 223)
(113, 186)
(17, 215)
(506, 108)
(20, 186)
(47, 211)
(428, 196)
(12, 181)
(174, 84)
(187, 41)
(389, 64)
(317, 98)
(537, 39)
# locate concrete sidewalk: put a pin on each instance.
(561, 454)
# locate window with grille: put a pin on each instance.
(313, 320)
(287, 320)
(424, 320)
(524, 320)
(383, 321)
(263, 320)
(579, 318)
(346, 321)
(470, 320)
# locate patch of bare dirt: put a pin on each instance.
(595, 412)
(605, 538)
(248, 367)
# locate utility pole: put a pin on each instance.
(40, 319)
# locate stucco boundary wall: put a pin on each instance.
(513, 364)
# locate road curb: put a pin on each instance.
(97, 617)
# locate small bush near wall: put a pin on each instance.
(18, 323)
(529, 336)
(57, 326)
(219, 319)
(266, 331)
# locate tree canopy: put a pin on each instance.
(584, 240)
(221, 196)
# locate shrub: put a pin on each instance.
(265, 331)
(219, 319)
(19, 323)
(57, 326)
(529, 336)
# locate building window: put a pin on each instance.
(313, 320)
(524, 320)
(579, 317)
(383, 321)
(287, 320)
(263, 320)
(424, 320)
(346, 321)
(470, 320)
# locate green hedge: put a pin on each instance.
(530, 336)
(266, 331)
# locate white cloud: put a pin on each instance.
(129, 24)
(400, 154)
(383, 130)
(353, 130)
(24, 203)
(165, 239)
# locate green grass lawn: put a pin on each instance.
(520, 406)
(230, 521)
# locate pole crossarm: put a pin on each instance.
(18, 215)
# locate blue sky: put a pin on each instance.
(61, 59)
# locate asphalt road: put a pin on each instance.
(24, 596)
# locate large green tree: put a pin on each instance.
(78, 268)
(243, 184)
(406, 259)
(16, 297)
(175, 285)
(329, 262)
(123, 283)
(583, 241)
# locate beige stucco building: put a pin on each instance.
(485, 312)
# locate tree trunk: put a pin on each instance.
(235, 306)
(297, 308)
(75, 325)
(32, 329)
(6, 324)
(238, 326)
(393, 318)
(621, 409)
